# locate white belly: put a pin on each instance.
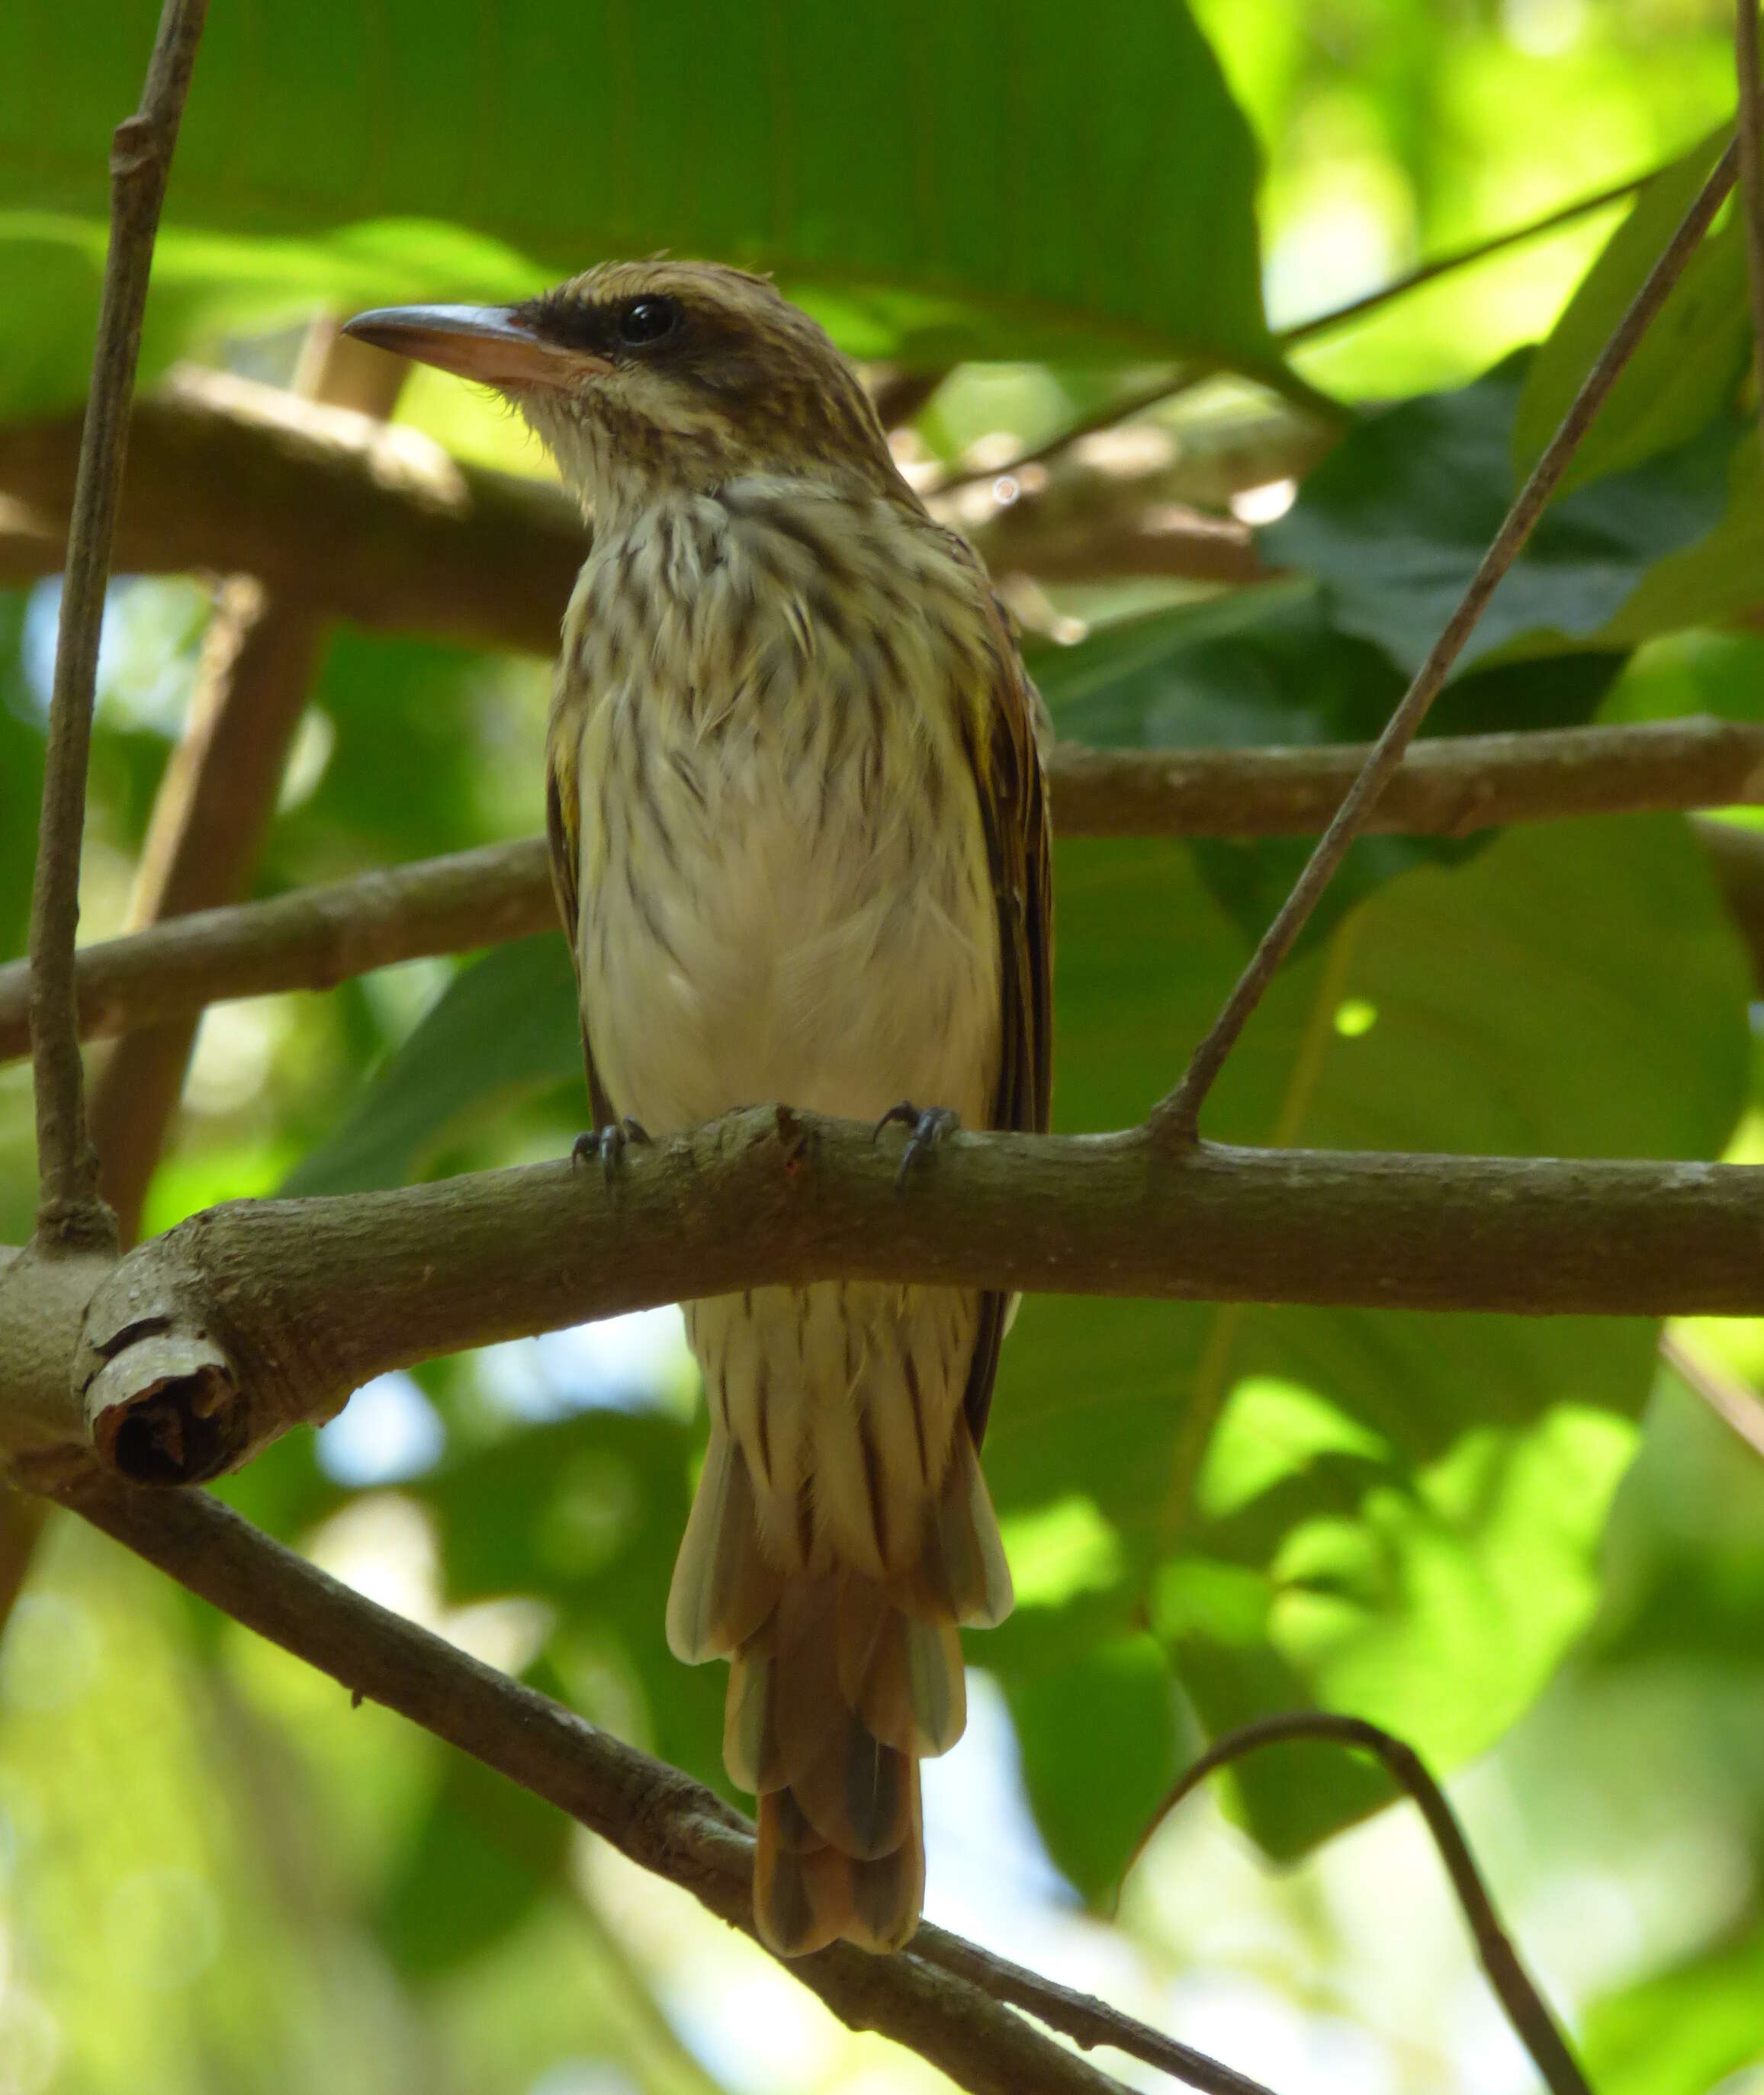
(752, 930)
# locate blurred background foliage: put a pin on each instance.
(1534, 1549)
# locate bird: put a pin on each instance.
(799, 833)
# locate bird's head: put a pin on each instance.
(644, 378)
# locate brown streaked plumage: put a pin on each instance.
(798, 830)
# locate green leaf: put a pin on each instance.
(1689, 363)
(1419, 1541)
(1713, 580)
(589, 1513)
(1395, 522)
(504, 1026)
(1098, 1735)
(1685, 2031)
(1266, 665)
(994, 180)
(484, 1857)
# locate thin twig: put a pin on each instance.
(944, 1998)
(1752, 180)
(1176, 1117)
(1164, 390)
(320, 936)
(1514, 1985)
(1737, 1406)
(1082, 2017)
(317, 937)
(69, 1210)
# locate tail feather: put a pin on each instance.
(724, 1587)
(839, 1684)
(903, 1677)
(961, 1574)
(806, 1896)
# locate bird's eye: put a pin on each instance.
(647, 321)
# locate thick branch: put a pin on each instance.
(311, 939)
(141, 160)
(317, 937)
(1178, 1117)
(209, 1341)
(659, 1818)
(382, 527)
(372, 524)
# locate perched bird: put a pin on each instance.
(799, 833)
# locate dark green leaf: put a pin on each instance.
(1098, 1736)
(486, 1854)
(1264, 666)
(1395, 521)
(504, 1026)
(994, 180)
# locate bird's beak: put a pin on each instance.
(488, 343)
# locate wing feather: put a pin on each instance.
(1006, 757)
(563, 831)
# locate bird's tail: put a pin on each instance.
(839, 1684)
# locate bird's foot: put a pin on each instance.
(609, 1144)
(929, 1124)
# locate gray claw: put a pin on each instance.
(609, 1145)
(929, 1125)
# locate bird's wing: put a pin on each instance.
(563, 831)
(1013, 810)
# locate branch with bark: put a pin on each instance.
(381, 527)
(320, 936)
(944, 1998)
(69, 1212)
(205, 1344)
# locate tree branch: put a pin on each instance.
(311, 939)
(320, 936)
(1176, 1117)
(69, 1210)
(217, 795)
(206, 1343)
(1514, 1985)
(382, 527)
(374, 524)
(941, 1996)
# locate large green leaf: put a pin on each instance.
(1683, 2031)
(995, 180)
(1688, 364)
(1395, 521)
(1394, 1513)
